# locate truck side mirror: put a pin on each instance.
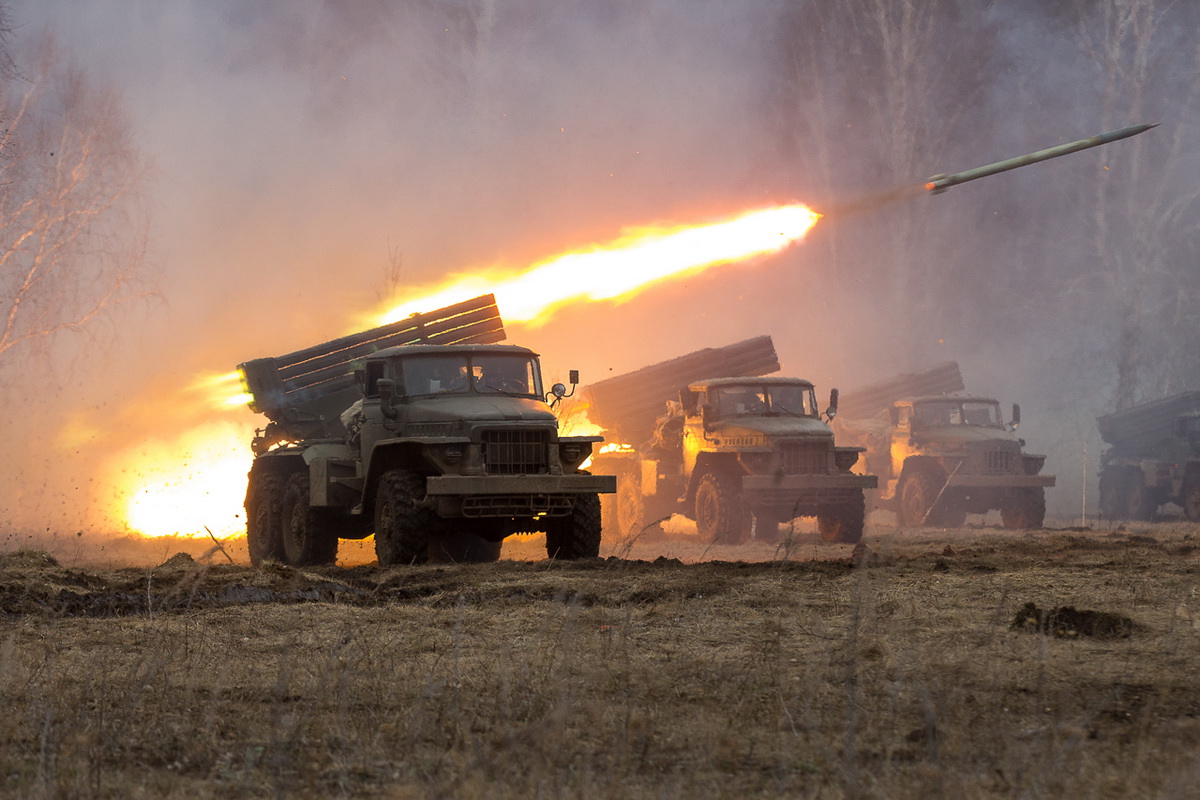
(559, 391)
(831, 412)
(387, 396)
(1016, 415)
(707, 410)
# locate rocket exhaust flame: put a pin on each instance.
(621, 268)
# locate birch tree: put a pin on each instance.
(72, 232)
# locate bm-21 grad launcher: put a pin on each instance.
(426, 432)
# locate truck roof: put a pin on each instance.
(761, 381)
(448, 349)
(908, 401)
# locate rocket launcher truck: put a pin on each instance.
(941, 454)
(708, 436)
(1153, 458)
(426, 432)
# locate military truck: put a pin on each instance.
(429, 434)
(942, 456)
(740, 454)
(1153, 458)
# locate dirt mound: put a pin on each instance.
(1069, 622)
(27, 560)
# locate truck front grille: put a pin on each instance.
(999, 462)
(515, 452)
(804, 458)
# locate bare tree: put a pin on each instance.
(72, 233)
(1144, 234)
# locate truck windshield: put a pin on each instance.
(483, 373)
(797, 400)
(755, 400)
(941, 413)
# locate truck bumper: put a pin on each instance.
(520, 484)
(800, 483)
(804, 495)
(490, 496)
(1001, 481)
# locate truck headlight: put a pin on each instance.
(452, 454)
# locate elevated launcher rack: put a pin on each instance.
(868, 401)
(629, 404)
(1145, 430)
(318, 382)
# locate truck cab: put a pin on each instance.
(949, 455)
(752, 453)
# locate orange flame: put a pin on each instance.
(193, 485)
(638, 259)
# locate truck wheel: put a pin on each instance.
(402, 524)
(576, 535)
(264, 498)
(1191, 500)
(1026, 510)
(720, 515)
(309, 535)
(843, 523)
(916, 497)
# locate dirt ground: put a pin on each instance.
(974, 662)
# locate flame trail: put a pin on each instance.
(622, 268)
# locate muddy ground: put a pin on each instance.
(959, 663)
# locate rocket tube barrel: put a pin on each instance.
(939, 183)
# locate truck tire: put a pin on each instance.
(720, 515)
(1190, 497)
(403, 524)
(308, 535)
(844, 523)
(917, 494)
(576, 535)
(1026, 510)
(264, 498)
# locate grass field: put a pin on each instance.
(677, 670)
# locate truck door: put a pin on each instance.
(693, 432)
(901, 438)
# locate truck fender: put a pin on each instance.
(914, 464)
(387, 456)
(711, 462)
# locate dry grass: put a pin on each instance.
(897, 676)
